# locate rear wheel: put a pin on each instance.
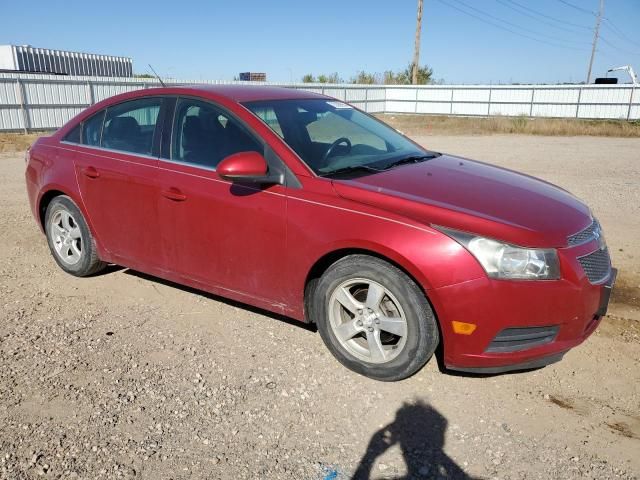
(70, 239)
(374, 319)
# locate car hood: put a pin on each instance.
(475, 197)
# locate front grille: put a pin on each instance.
(585, 235)
(596, 265)
(521, 338)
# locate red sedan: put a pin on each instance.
(306, 206)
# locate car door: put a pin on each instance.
(227, 236)
(116, 169)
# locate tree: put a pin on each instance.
(364, 78)
(308, 78)
(423, 75)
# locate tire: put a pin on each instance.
(69, 238)
(396, 349)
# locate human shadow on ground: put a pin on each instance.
(419, 431)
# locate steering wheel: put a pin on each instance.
(329, 151)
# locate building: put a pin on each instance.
(253, 77)
(28, 59)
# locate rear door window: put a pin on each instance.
(130, 126)
(92, 130)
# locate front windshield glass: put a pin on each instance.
(333, 138)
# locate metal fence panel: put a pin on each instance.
(47, 118)
(8, 93)
(34, 102)
(11, 119)
(509, 109)
(434, 108)
(504, 95)
(401, 94)
(555, 110)
(374, 107)
(434, 95)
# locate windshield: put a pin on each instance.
(333, 138)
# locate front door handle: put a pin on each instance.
(91, 172)
(174, 194)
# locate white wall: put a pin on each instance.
(32, 102)
(7, 60)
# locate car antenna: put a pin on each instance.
(157, 76)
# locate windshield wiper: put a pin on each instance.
(411, 159)
(350, 169)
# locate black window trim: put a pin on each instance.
(157, 134)
(102, 112)
(156, 128)
(168, 145)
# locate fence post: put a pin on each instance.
(633, 91)
(416, 105)
(345, 95)
(489, 104)
(90, 93)
(21, 98)
(366, 99)
(451, 103)
(578, 104)
(533, 92)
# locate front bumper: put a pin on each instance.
(572, 306)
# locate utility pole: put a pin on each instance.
(596, 34)
(416, 47)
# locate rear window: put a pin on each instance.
(92, 130)
(74, 135)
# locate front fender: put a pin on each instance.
(317, 229)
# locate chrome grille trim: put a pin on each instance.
(596, 265)
(585, 235)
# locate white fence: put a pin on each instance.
(44, 102)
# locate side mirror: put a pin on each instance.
(250, 167)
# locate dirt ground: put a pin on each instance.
(123, 375)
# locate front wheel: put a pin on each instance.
(374, 318)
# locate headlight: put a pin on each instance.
(501, 260)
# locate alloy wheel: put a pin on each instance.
(367, 320)
(67, 237)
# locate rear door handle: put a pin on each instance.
(91, 172)
(174, 194)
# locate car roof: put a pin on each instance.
(242, 93)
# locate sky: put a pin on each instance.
(463, 41)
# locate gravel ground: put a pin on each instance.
(126, 376)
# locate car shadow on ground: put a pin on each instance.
(226, 301)
(419, 430)
(438, 355)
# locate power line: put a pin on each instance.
(629, 52)
(524, 7)
(466, 5)
(610, 25)
(516, 8)
(508, 29)
(580, 9)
